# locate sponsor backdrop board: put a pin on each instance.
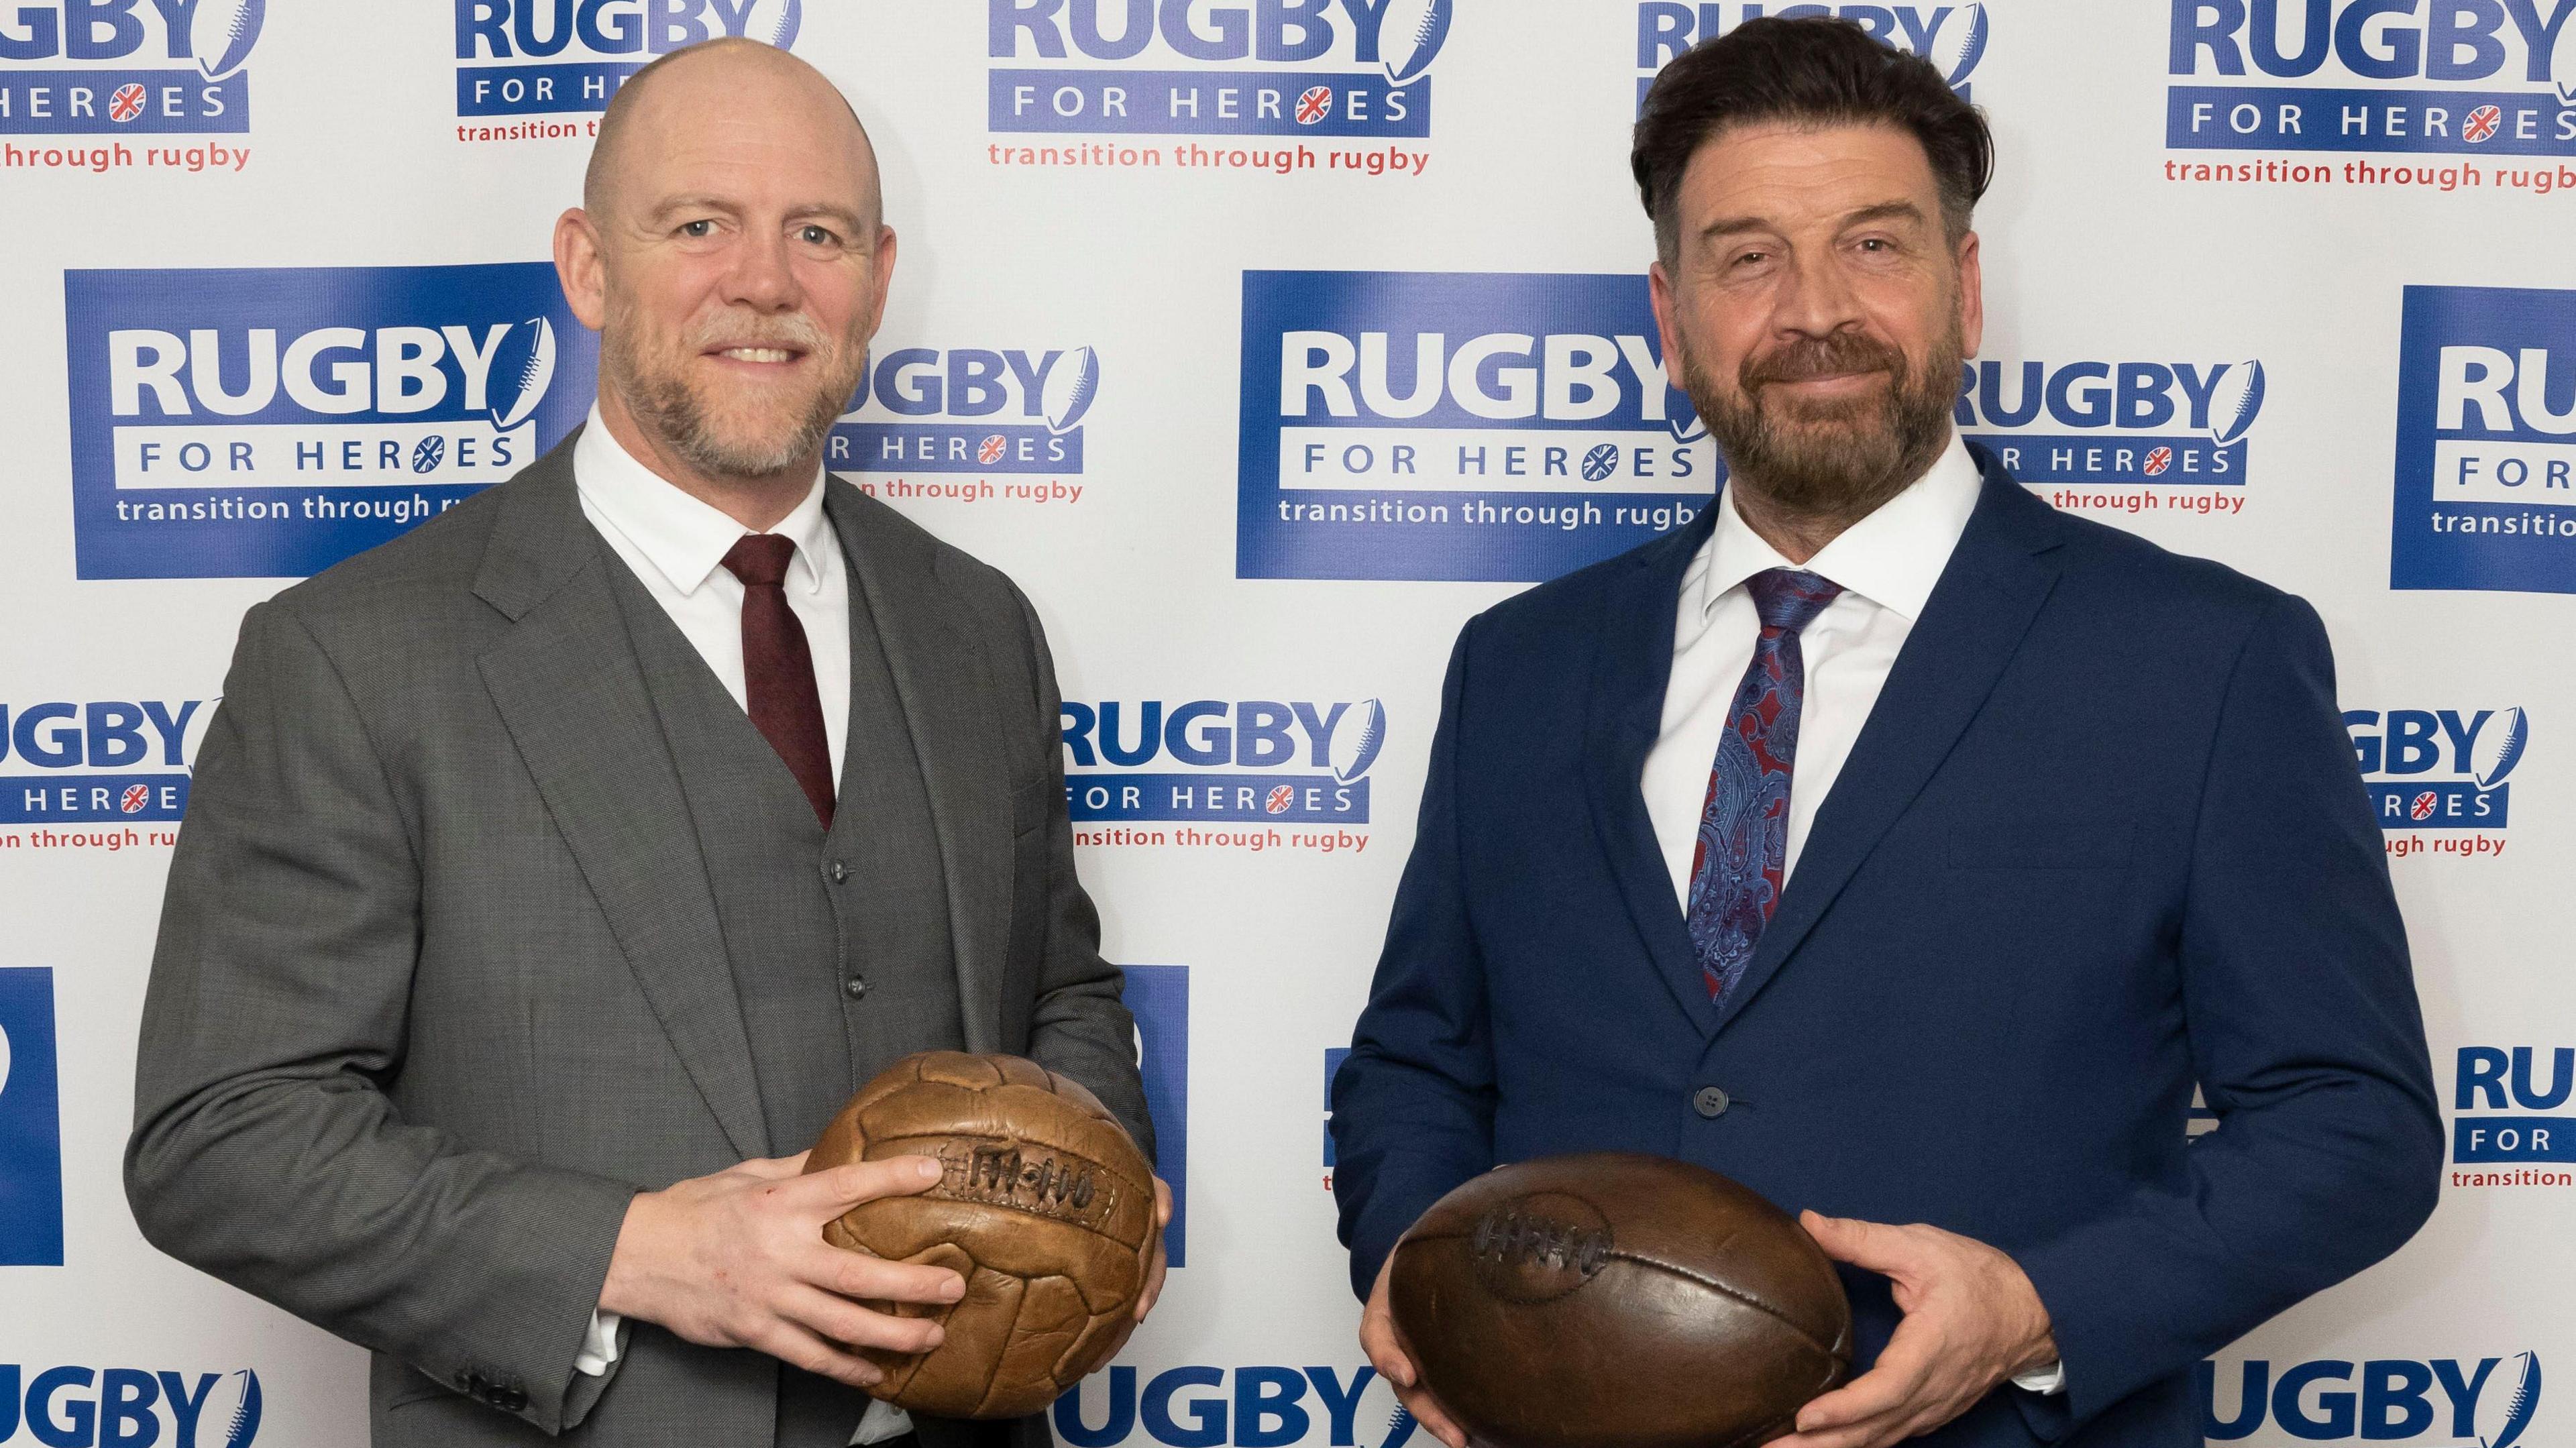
(1264, 342)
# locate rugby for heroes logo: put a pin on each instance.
(2486, 1402)
(1452, 425)
(1199, 1406)
(269, 423)
(2509, 1111)
(98, 762)
(2462, 76)
(31, 1141)
(2485, 492)
(2438, 769)
(1276, 68)
(84, 1407)
(532, 57)
(1952, 37)
(96, 67)
(968, 410)
(2113, 423)
(1254, 761)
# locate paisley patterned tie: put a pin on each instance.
(1737, 870)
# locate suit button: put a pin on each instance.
(1710, 1102)
(839, 873)
(854, 987)
(509, 1400)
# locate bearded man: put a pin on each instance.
(557, 870)
(1896, 845)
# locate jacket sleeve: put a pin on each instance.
(1079, 1024)
(265, 1151)
(1413, 1103)
(2308, 1043)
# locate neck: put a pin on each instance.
(1794, 534)
(757, 501)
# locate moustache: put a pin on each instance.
(793, 331)
(1829, 356)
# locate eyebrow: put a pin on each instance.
(1883, 211)
(854, 221)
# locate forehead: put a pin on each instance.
(1784, 174)
(783, 144)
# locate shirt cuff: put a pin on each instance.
(2047, 1381)
(599, 1345)
(881, 1421)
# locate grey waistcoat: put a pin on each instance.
(838, 942)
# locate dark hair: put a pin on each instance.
(1811, 70)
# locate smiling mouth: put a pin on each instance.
(757, 354)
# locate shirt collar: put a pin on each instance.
(1893, 557)
(684, 538)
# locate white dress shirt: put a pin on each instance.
(676, 545)
(1887, 564)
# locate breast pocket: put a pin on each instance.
(2041, 844)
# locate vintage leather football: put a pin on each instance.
(1613, 1300)
(1044, 1205)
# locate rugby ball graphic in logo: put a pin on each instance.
(2499, 747)
(522, 369)
(1070, 385)
(1684, 419)
(4, 1058)
(1357, 739)
(230, 1417)
(1959, 44)
(1409, 35)
(2234, 399)
(225, 30)
(773, 22)
(2524, 1372)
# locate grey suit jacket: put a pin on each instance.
(440, 983)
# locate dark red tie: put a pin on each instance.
(778, 669)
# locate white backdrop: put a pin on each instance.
(2219, 313)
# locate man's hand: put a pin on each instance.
(1972, 1320)
(1155, 1266)
(738, 1260)
(1394, 1362)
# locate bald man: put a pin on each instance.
(555, 872)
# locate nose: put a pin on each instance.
(1818, 299)
(763, 275)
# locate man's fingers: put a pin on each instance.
(798, 1347)
(1154, 1271)
(1426, 1410)
(1162, 1204)
(843, 1187)
(773, 1168)
(1384, 1352)
(1875, 1432)
(843, 1321)
(1872, 1245)
(1887, 1387)
(856, 1274)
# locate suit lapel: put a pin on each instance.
(570, 692)
(945, 688)
(1973, 623)
(1632, 663)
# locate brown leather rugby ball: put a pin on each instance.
(1615, 1300)
(1044, 1205)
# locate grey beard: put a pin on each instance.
(665, 406)
(1839, 473)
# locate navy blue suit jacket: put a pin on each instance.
(2102, 838)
